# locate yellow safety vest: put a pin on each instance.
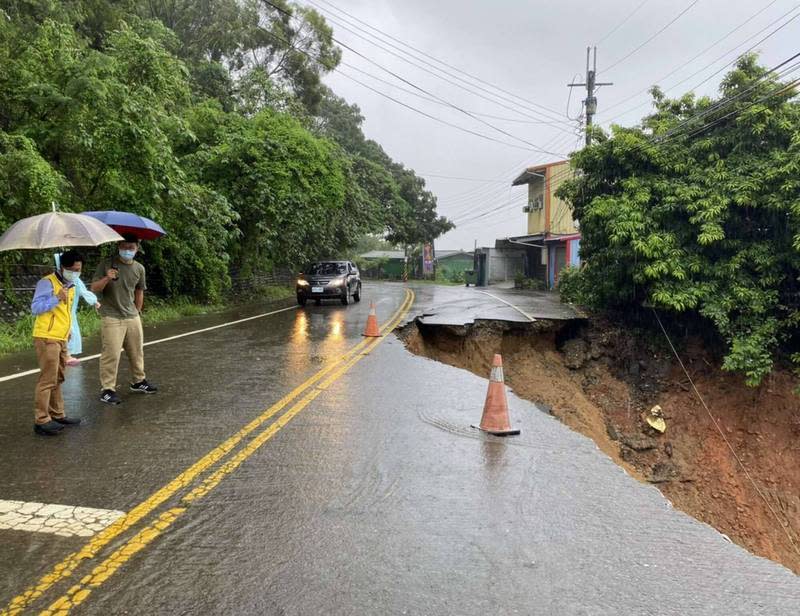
(56, 323)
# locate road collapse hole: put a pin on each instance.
(602, 379)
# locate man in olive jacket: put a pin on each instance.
(120, 284)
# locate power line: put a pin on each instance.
(470, 210)
(490, 212)
(748, 50)
(569, 98)
(455, 177)
(676, 132)
(780, 522)
(781, 90)
(622, 23)
(727, 101)
(443, 63)
(432, 100)
(693, 58)
(633, 51)
(470, 195)
(466, 206)
(381, 45)
(415, 86)
(432, 117)
(774, 32)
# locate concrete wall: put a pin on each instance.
(504, 264)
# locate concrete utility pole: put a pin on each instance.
(590, 102)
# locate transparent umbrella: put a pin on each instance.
(57, 230)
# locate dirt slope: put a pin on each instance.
(601, 380)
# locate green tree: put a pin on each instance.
(200, 115)
(287, 186)
(698, 212)
(94, 129)
(409, 210)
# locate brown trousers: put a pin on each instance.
(121, 334)
(52, 356)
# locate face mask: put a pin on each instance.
(70, 276)
(127, 255)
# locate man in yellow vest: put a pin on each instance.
(52, 307)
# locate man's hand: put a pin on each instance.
(62, 295)
(97, 306)
(112, 273)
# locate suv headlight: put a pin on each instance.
(302, 283)
(337, 282)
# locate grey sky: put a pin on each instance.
(532, 49)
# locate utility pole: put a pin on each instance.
(590, 102)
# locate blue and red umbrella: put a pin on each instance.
(127, 222)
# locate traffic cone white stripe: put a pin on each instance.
(497, 374)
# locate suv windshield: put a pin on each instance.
(327, 269)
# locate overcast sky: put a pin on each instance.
(531, 49)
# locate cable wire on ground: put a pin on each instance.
(783, 526)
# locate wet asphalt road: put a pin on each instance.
(374, 498)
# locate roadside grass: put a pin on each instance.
(16, 336)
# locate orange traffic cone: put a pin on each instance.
(495, 409)
(372, 323)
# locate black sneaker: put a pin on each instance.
(109, 396)
(51, 428)
(68, 421)
(143, 387)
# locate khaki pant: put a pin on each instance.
(48, 402)
(118, 334)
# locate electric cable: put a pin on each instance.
(629, 54)
(682, 81)
(432, 100)
(622, 23)
(417, 87)
(693, 58)
(443, 63)
(467, 88)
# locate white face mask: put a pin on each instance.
(70, 276)
(127, 255)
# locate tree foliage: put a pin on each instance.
(697, 212)
(410, 209)
(208, 116)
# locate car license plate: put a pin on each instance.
(317, 290)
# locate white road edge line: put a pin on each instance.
(517, 308)
(61, 520)
(19, 375)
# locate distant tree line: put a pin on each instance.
(208, 116)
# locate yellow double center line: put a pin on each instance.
(79, 592)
